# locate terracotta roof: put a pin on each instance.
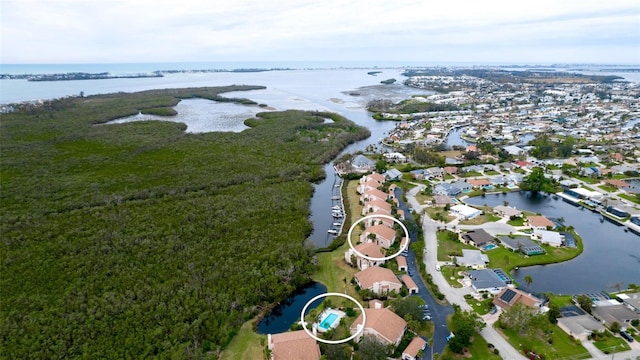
(408, 281)
(414, 346)
(374, 274)
(539, 220)
(370, 249)
(479, 182)
(375, 194)
(383, 231)
(294, 345)
(377, 177)
(617, 183)
(402, 261)
(450, 169)
(385, 322)
(510, 296)
(380, 204)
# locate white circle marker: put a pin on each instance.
(304, 310)
(402, 248)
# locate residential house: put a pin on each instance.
(617, 183)
(442, 200)
(373, 194)
(479, 183)
(293, 345)
(392, 174)
(549, 237)
(380, 234)
(366, 185)
(395, 157)
(508, 297)
(413, 349)
(362, 164)
(506, 211)
(378, 220)
(379, 280)
(462, 185)
(513, 150)
(486, 280)
(384, 324)
(379, 206)
(436, 173)
(632, 301)
(580, 327)
(472, 258)
(464, 211)
(522, 244)
(370, 249)
(446, 189)
(540, 222)
(611, 311)
(477, 238)
(450, 170)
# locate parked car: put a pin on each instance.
(450, 336)
(627, 336)
(437, 267)
(493, 310)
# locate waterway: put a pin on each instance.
(611, 255)
(288, 312)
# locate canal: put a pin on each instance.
(611, 256)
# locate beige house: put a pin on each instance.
(539, 222)
(373, 194)
(382, 235)
(380, 206)
(410, 284)
(384, 324)
(369, 249)
(293, 345)
(378, 280)
(508, 297)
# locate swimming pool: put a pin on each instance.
(489, 247)
(329, 321)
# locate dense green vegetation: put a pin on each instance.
(140, 240)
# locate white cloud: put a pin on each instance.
(198, 30)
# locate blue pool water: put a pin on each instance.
(328, 321)
(489, 247)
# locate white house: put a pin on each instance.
(464, 211)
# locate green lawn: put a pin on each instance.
(491, 172)
(608, 188)
(447, 247)
(552, 344)
(506, 259)
(246, 344)
(517, 222)
(481, 219)
(607, 343)
(631, 198)
(481, 307)
(450, 273)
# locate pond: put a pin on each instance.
(611, 256)
(288, 312)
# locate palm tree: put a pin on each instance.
(529, 280)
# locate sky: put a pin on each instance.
(444, 31)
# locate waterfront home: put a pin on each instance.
(548, 237)
(373, 220)
(368, 249)
(446, 189)
(414, 347)
(362, 164)
(392, 174)
(474, 259)
(380, 234)
(486, 280)
(522, 244)
(410, 284)
(464, 212)
(506, 211)
(402, 263)
(395, 157)
(631, 300)
(374, 194)
(540, 222)
(509, 296)
(367, 185)
(513, 150)
(379, 280)
(477, 238)
(379, 206)
(581, 326)
(478, 183)
(610, 311)
(617, 183)
(293, 345)
(384, 324)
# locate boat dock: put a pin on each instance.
(337, 207)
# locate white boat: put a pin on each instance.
(337, 224)
(337, 215)
(337, 207)
(332, 231)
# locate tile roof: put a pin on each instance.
(385, 322)
(294, 345)
(414, 346)
(374, 274)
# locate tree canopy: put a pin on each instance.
(537, 182)
(139, 240)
